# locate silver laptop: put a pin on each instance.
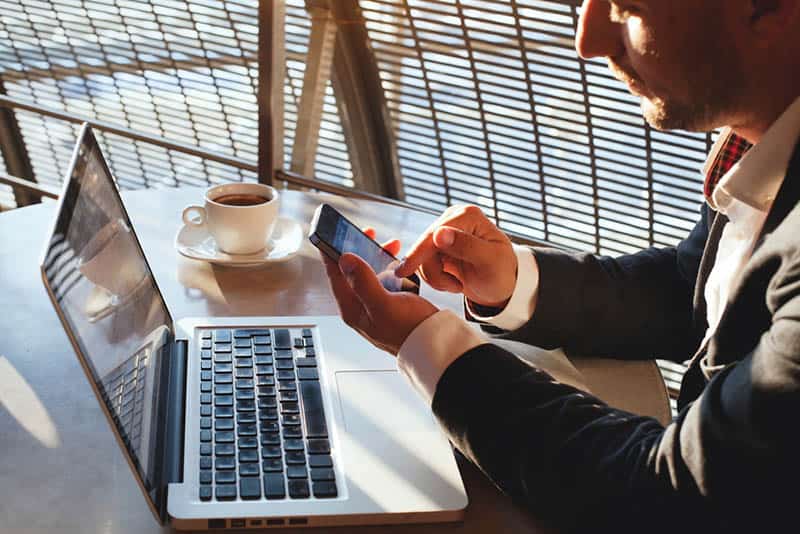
(247, 422)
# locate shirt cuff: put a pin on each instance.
(522, 303)
(432, 346)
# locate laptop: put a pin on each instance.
(242, 422)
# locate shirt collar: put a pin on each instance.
(751, 174)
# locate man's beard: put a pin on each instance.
(703, 112)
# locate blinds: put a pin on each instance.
(490, 105)
(184, 70)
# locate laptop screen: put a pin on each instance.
(108, 300)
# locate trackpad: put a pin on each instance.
(381, 402)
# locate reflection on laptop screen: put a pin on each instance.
(105, 292)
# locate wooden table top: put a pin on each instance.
(60, 467)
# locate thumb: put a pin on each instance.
(364, 281)
(463, 246)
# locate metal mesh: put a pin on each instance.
(183, 70)
(490, 105)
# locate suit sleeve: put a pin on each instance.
(637, 306)
(727, 463)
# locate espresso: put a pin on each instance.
(239, 199)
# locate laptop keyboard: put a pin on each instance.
(263, 432)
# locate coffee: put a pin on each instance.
(238, 199)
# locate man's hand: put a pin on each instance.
(384, 318)
(463, 252)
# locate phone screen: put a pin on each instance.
(335, 235)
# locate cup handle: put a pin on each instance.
(199, 218)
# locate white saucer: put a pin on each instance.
(195, 242)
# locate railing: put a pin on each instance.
(479, 101)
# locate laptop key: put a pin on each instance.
(205, 493)
(223, 389)
(223, 378)
(205, 410)
(245, 394)
(205, 365)
(223, 367)
(283, 339)
(205, 462)
(262, 349)
(223, 437)
(271, 451)
(205, 422)
(205, 436)
(293, 445)
(306, 362)
(250, 488)
(205, 375)
(246, 417)
(310, 352)
(205, 398)
(273, 486)
(249, 470)
(248, 443)
(205, 449)
(221, 400)
(262, 359)
(287, 385)
(290, 419)
(245, 406)
(311, 393)
(324, 489)
(226, 492)
(205, 344)
(320, 460)
(295, 458)
(307, 373)
(322, 473)
(205, 477)
(265, 370)
(265, 380)
(242, 352)
(283, 354)
(266, 391)
(299, 343)
(223, 336)
(222, 357)
(270, 438)
(222, 347)
(205, 387)
(269, 426)
(223, 411)
(247, 430)
(288, 396)
(282, 365)
(242, 343)
(244, 362)
(205, 354)
(225, 463)
(224, 449)
(244, 383)
(272, 465)
(297, 471)
(244, 372)
(292, 432)
(298, 489)
(306, 332)
(248, 456)
(261, 340)
(225, 477)
(247, 332)
(268, 414)
(319, 446)
(290, 408)
(223, 424)
(267, 402)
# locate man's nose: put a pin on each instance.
(597, 35)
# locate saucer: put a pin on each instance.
(195, 242)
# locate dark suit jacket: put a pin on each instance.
(730, 459)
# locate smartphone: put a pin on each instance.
(334, 234)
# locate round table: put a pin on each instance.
(60, 467)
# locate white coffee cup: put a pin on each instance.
(239, 216)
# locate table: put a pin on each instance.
(60, 467)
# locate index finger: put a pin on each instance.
(419, 253)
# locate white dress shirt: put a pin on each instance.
(745, 195)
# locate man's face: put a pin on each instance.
(677, 55)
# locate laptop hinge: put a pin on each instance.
(175, 413)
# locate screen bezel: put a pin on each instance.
(71, 188)
(325, 220)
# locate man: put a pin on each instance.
(727, 298)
